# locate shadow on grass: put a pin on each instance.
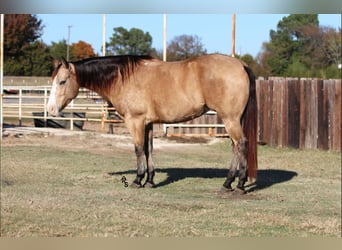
(266, 178)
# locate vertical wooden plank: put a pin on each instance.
(312, 132)
(262, 103)
(307, 100)
(331, 114)
(293, 114)
(337, 121)
(269, 113)
(195, 130)
(326, 116)
(206, 120)
(219, 121)
(323, 123)
(279, 128)
(319, 111)
(303, 112)
(274, 110)
(257, 87)
(308, 137)
(285, 122)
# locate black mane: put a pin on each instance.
(99, 73)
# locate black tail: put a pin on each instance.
(249, 125)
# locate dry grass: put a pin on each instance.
(49, 189)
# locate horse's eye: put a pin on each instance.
(62, 82)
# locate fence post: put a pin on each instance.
(165, 129)
(20, 106)
(45, 108)
(71, 120)
(103, 116)
(210, 131)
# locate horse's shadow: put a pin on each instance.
(266, 177)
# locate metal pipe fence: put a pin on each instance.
(25, 102)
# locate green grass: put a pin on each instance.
(49, 191)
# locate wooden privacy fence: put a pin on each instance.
(300, 113)
(303, 113)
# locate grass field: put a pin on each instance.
(72, 186)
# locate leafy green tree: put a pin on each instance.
(252, 63)
(129, 42)
(184, 47)
(59, 50)
(301, 48)
(289, 42)
(21, 33)
(34, 62)
(38, 60)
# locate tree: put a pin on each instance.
(59, 50)
(288, 43)
(301, 48)
(330, 43)
(21, 33)
(38, 60)
(252, 63)
(184, 47)
(132, 42)
(82, 50)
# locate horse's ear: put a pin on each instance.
(72, 68)
(65, 63)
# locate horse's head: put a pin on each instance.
(64, 87)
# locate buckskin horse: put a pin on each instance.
(145, 90)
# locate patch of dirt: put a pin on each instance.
(189, 139)
(91, 141)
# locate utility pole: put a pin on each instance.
(164, 43)
(233, 34)
(68, 43)
(104, 35)
(1, 72)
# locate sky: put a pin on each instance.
(214, 30)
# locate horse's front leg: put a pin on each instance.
(136, 128)
(148, 153)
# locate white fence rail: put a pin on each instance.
(22, 102)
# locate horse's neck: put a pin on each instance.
(101, 81)
(105, 93)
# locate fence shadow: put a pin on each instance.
(266, 177)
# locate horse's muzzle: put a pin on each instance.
(53, 110)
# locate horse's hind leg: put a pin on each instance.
(239, 156)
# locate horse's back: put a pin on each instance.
(180, 91)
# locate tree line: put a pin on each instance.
(299, 47)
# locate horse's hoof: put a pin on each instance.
(136, 185)
(239, 191)
(149, 185)
(226, 190)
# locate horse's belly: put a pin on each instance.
(177, 113)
